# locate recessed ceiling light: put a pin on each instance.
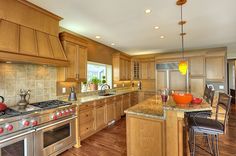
(98, 37)
(156, 27)
(113, 44)
(148, 11)
(162, 37)
(8, 62)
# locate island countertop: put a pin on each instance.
(154, 108)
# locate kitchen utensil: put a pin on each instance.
(24, 101)
(2, 104)
(182, 98)
(72, 95)
(196, 100)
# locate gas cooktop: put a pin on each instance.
(50, 104)
(9, 113)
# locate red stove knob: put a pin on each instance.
(34, 122)
(9, 127)
(71, 110)
(63, 112)
(67, 112)
(1, 130)
(26, 123)
(59, 114)
(54, 117)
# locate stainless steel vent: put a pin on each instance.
(167, 66)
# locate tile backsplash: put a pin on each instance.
(40, 79)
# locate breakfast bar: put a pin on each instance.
(155, 128)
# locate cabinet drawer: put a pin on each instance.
(85, 106)
(99, 103)
(110, 100)
(86, 128)
(86, 116)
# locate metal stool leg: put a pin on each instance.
(194, 143)
(217, 145)
(209, 144)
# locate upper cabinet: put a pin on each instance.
(30, 34)
(143, 69)
(197, 66)
(215, 68)
(76, 52)
(121, 67)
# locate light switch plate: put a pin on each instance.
(63, 90)
(221, 87)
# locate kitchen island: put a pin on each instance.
(157, 129)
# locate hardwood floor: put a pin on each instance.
(109, 142)
(112, 141)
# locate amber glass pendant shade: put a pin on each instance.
(183, 67)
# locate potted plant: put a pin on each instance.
(104, 80)
(94, 83)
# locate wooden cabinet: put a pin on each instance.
(9, 36)
(76, 53)
(133, 98)
(197, 85)
(197, 66)
(118, 103)
(100, 110)
(143, 69)
(215, 69)
(121, 67)
(125, 103)
(86, 120)
(145, 136)
(110, 109)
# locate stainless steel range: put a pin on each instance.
(41, 129)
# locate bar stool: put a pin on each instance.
(209, 127)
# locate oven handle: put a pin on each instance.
(53, 124)
(16, 136)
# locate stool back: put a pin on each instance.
(209, 94)
(224, 102)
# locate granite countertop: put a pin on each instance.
(154, 108)
(85, 99)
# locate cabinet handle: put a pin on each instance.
(87, 115)
(87, 128)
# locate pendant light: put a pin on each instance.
(183, 64)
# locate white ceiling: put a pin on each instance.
(210, 23)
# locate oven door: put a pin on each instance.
(18, 144)
(55, 138)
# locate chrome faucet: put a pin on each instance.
(103, 90)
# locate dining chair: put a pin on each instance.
(211, 128)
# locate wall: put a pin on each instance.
(231, 51)
(41, 80)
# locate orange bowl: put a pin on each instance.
(182, 99)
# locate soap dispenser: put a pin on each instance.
(72, 95)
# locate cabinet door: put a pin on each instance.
(128, 70)
(197, 86)
(215, 68)
(122, 69)
(9, 36)
(151, 70)
(118, 109)
(82, 61)
(72, 55)
(110, 112)
(177, 81)
(197, 65)
(100, 116)
(144, 71)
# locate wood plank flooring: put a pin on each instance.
(112, 141)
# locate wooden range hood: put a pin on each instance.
(30, 34)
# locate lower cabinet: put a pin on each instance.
(125, 104)
(118, 103)
(110, 102)
(100, 110)
(133, 98)
(86, 120)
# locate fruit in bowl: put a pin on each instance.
(182, 98)
(196, 100)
